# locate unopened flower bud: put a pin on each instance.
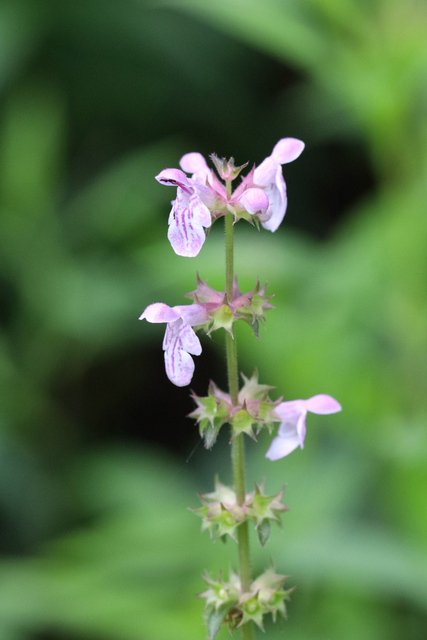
(226, 168)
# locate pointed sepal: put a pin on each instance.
(227, 602)
(270, 593)
(243, 422)
(211, 413)
(265, 507)
(252, 306)
(214, 619)
(226, 168)
(221, 514)
(263, 531)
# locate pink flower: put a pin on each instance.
(202, 198)
(180, 339)
(292, 429)
(255, 202)
(189, 215)
(269, 175)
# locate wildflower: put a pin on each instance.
(269, 175)
(292, 429)
(180, 339)
(189, 215)
(202, 198)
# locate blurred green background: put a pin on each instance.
(97, 96)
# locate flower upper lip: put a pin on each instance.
(269, 175)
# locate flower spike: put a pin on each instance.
(202, 196)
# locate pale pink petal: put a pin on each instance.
(289, 410)
(281, 447)
(254, 201)
(160, 312)
(301, 428)
(322, 404)
(172, 213)
(189, 341)
(171, 333)
(289, 427)
(179, 365)
(199, 212)
(276, 193)
(287, 150)
(292, 429)
(246, 183)
(193, 314)
(265, 173)
(196, 164)
(185, 235)
(175, 178)
(208, 195)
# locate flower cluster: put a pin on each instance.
(255, 410)
(226, 601)
(222, 312)
(210, 310)
(221, 513)
(202, 197)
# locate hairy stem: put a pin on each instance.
(237, 448)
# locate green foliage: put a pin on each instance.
(96, 99)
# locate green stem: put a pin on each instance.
(237, 448)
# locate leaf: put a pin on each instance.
(214, 620)
(263, 532)
(209, 433)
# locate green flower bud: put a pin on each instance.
(223, 317)
(226, 168)
(242, 422)
(211, 413)
(263, 509)
(252, 612)
(220, 513)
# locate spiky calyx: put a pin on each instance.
(226, 168)
(223, 312)
(221, 514)
(254, 410)
(227, 602)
